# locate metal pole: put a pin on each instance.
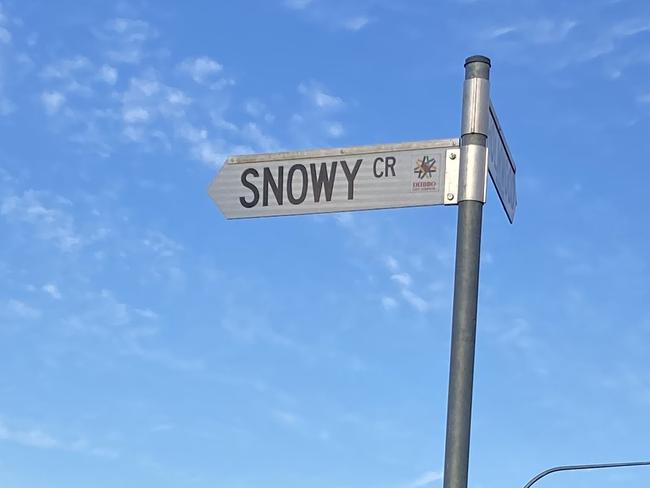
(471, 197)
(584, 466)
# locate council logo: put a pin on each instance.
(425, 177)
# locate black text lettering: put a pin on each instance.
(276, 187)
(303, 181)
(351, 175)
(322, 179)
(251, 187)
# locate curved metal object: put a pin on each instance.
(583, 466)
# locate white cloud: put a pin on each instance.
(415, 300)
(355, 23)
(108, 74)
(388, 303)
(21, 310)
(262, 141)
(29, 438)
(201, 146)
(126, 39)
(318, 97)
(643, 98)
(49, 220)
(135, 115)
(404, 279)
(202, 70)
(286, 418)
(66, 68)
(6, 107)
(257, 109)
(5, 36)
(335, 129)
(391, 263)
(146, 313)
(52, 101)
(631, 27)
(540, 31)
(427, 479)
(501, 31)
(345, 219)
(298, 4)
(52, 290)
(38, 439)
(161, 245)
(133, 346)
(517, 334)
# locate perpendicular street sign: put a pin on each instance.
(333, 180)
(501, 165)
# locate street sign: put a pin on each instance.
(334, 180)
(399, 175)
(501, 165)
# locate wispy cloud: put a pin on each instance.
(52, 290)
(338, 15)
(160, 105)
(355, 23)
(540, 31)
(315, 93)
(319, 107)
(430, 478)
(404, 279)
(298, 4)
(52, 101)
(205, 71)
(17, 309)
(257, 109)
(6, 105)
(335, 129)
(47, 215)
(287, 418)
(127, 39)
(134, 345)
(5, 35)
(108, 74)
(39, 439)
(389, 303)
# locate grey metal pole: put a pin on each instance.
(471, 197)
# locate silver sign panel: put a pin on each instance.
(501, 165)
(334, 180)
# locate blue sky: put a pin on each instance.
(147, 341)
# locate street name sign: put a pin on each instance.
(408, 174)
(501, 165)
(333, 180)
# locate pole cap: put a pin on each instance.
(478, 59)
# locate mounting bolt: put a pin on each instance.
(450, 196)
(452, 156)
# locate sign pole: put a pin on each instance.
(471, 197)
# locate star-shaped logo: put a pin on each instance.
(425, 167)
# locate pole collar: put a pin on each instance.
(478, 59)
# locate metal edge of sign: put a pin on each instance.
(342, 151)
(511, 161)
(327, 212)
(511, 218)
(493, 114)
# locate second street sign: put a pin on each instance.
(501, 165)
(334, 180)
